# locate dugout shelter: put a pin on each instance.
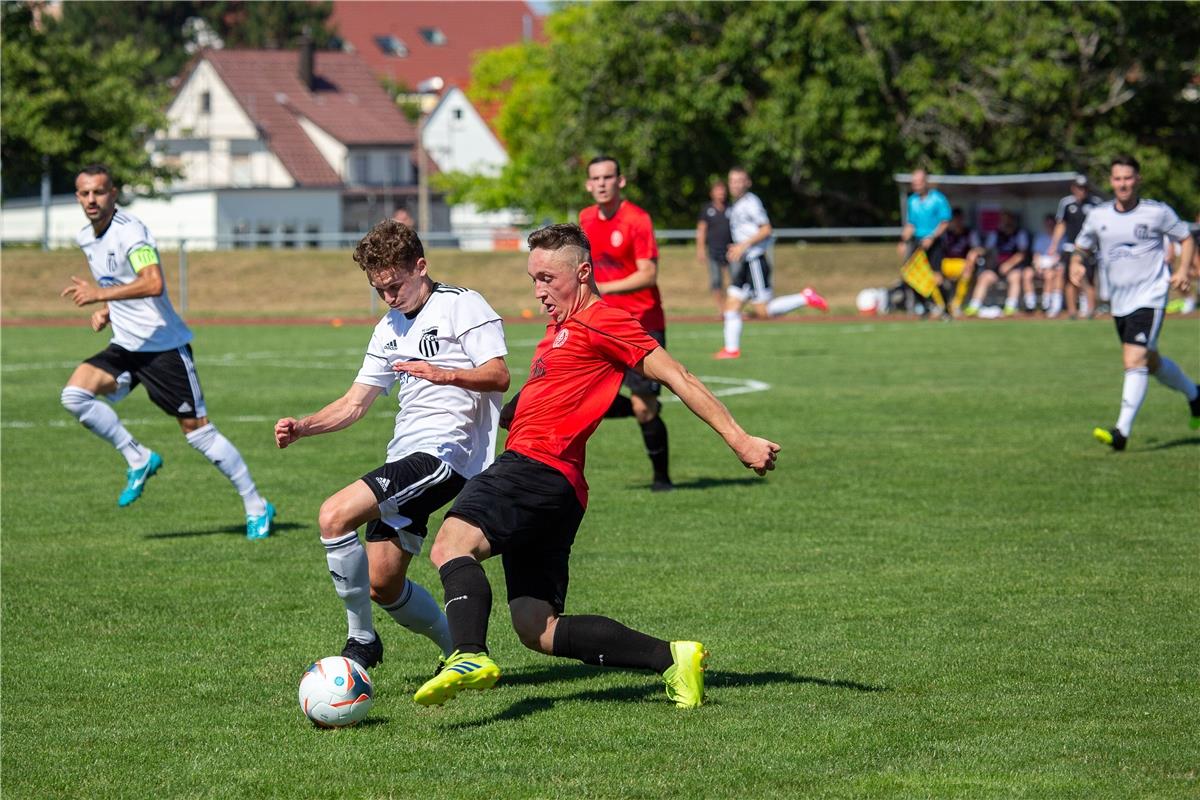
(1031, 195)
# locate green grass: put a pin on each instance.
(947, 589)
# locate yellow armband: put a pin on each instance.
(142, 257)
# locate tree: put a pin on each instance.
(67, 104)
(823, 102)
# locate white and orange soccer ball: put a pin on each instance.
(335, 692)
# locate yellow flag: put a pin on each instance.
(917, 273)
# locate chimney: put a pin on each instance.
(307, 58)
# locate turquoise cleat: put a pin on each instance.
(136, 480)
(260, 527)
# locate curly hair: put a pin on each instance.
(560, 237)
(389, 245)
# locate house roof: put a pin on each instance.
(346, 101)
(468, 27)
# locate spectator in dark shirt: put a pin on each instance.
(713, 239)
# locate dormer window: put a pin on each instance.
(391, 46)
(433, 36)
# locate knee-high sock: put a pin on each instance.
(605, 642)
(347, 560)
(733, 330)
(782, 305)
(99, 418)
(225, 457)
(1132, 395)
(654, 435)
(468, 603)
(1169, 374)
(416, 610)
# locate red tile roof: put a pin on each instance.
(468, 25)
(347, 102)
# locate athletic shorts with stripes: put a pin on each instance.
(408, 491)
(750, 280)
(169, 377)
(1141, 327)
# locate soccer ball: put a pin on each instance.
(335, 692)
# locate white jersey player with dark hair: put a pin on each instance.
(150, 346)
(1126, 235)
(442, 348)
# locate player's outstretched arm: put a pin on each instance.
(148, 283)
(755, 452)
(490, 376)
(341, 413)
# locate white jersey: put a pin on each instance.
(125, 248)
(1128, 245)
(746, 216)
(455, 329)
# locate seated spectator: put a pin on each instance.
(1008, 254)
(1048, 264)
(961, 248)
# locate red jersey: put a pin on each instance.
(617, 244)
(576, 372)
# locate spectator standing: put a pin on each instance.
(1072, 210)
(713, 239)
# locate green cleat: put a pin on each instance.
(1194, 407)
(685, 678)
(1113, 438)
(461, 671)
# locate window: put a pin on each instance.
(240, 230)
(433, 36)
(391, 46)
(458, 113)
(313, 230)
(264, 231)
(205, 103)
(358, 168)
(289, 234)
(395, 169)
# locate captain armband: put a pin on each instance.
(142, 257)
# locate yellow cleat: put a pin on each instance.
(685, 678)
(461, 671)
(1111, 437)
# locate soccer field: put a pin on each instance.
(947, 589)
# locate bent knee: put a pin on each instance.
(332, 519)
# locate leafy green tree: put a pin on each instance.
(67, 104)
(823, 102)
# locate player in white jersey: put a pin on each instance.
(1126, 236)
(442, 348)
(150, 346)
(750, 269)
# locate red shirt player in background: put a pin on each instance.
(625, 260)
(527, 506)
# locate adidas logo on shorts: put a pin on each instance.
(1141, 337)
(185, 408)
(384, 483)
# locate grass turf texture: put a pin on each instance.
(946, 590)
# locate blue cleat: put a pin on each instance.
(136, 480)
(260, 527)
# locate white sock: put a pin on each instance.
(225, 457)
(1030, 301)
(973, 305)
(1083, 305)
(733, 330)
(347, 560)
(1056, 302)
(1010, 304)
(416, 610)
(1132, 395)
(789, 302)
(1169, 374)
(99, 418)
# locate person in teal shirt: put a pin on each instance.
(927, 217)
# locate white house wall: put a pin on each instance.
(329, 147)
(458, 140)
(21, 221)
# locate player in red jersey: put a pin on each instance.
(528, 505)
(625, 260)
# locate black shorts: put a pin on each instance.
(529, 514)
(169, 376)
(640, 384)
(750, 280)
(408, 491)
(1141, 327)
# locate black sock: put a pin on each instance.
(605, 642)
(621, 407)
(468, 603)
(654, 434)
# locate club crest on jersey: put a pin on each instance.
(111, 264)
(560, 338)
(429, 342)
(616, 239)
